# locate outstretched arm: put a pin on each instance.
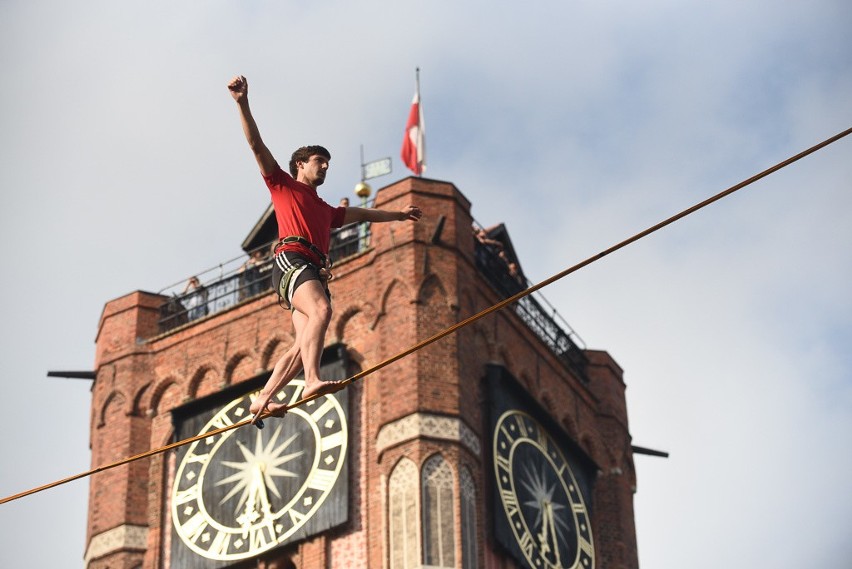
(239, 91)
(357, 214)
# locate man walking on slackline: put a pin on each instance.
(301, 268)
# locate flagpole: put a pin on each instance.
(419, 102)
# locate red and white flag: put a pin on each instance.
(414, 141)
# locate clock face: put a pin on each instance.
(247, 490)
(540, 496)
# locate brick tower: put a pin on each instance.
(501, 445)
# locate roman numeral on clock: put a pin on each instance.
(197, 457)
(322, 479)
(260, 537)
(188, 495)
(503, 463)
(522, 427)
(220, 422)
(295, 396)
(527, 545)
(510, 502)
(220, 544)
(331, 441)
(505, 432)
(296, 516)
(541, 438)
(195, 526)
(322, 410)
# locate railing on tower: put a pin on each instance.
(241, 279)
(534, 310)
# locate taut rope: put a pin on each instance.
(500, 305)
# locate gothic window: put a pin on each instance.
(438, 514)
(403, 530)
(468, 518)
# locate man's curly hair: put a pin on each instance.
(304, 153)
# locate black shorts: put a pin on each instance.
(289, 271)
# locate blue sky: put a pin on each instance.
(577, 124)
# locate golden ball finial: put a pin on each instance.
(363, 190)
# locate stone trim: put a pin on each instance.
(120, 538)
(426, 425)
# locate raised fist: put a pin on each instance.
(238, 87)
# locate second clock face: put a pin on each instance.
(540, 496)
(246, 491)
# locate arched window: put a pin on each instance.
(439, 527)
(403, 532)
(468, 518)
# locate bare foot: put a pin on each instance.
(263, 403)
(320, 387)
(260, 402)
(277, 409)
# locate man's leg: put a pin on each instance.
(284, 371)
(311, 318)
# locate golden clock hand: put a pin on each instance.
(555, 538)
(544, 544)
(248, 517)
(260, 484)
(548, 533)
(255, 490)
(266, 507)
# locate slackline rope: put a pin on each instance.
(500, 305)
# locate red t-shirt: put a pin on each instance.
(300, 211)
